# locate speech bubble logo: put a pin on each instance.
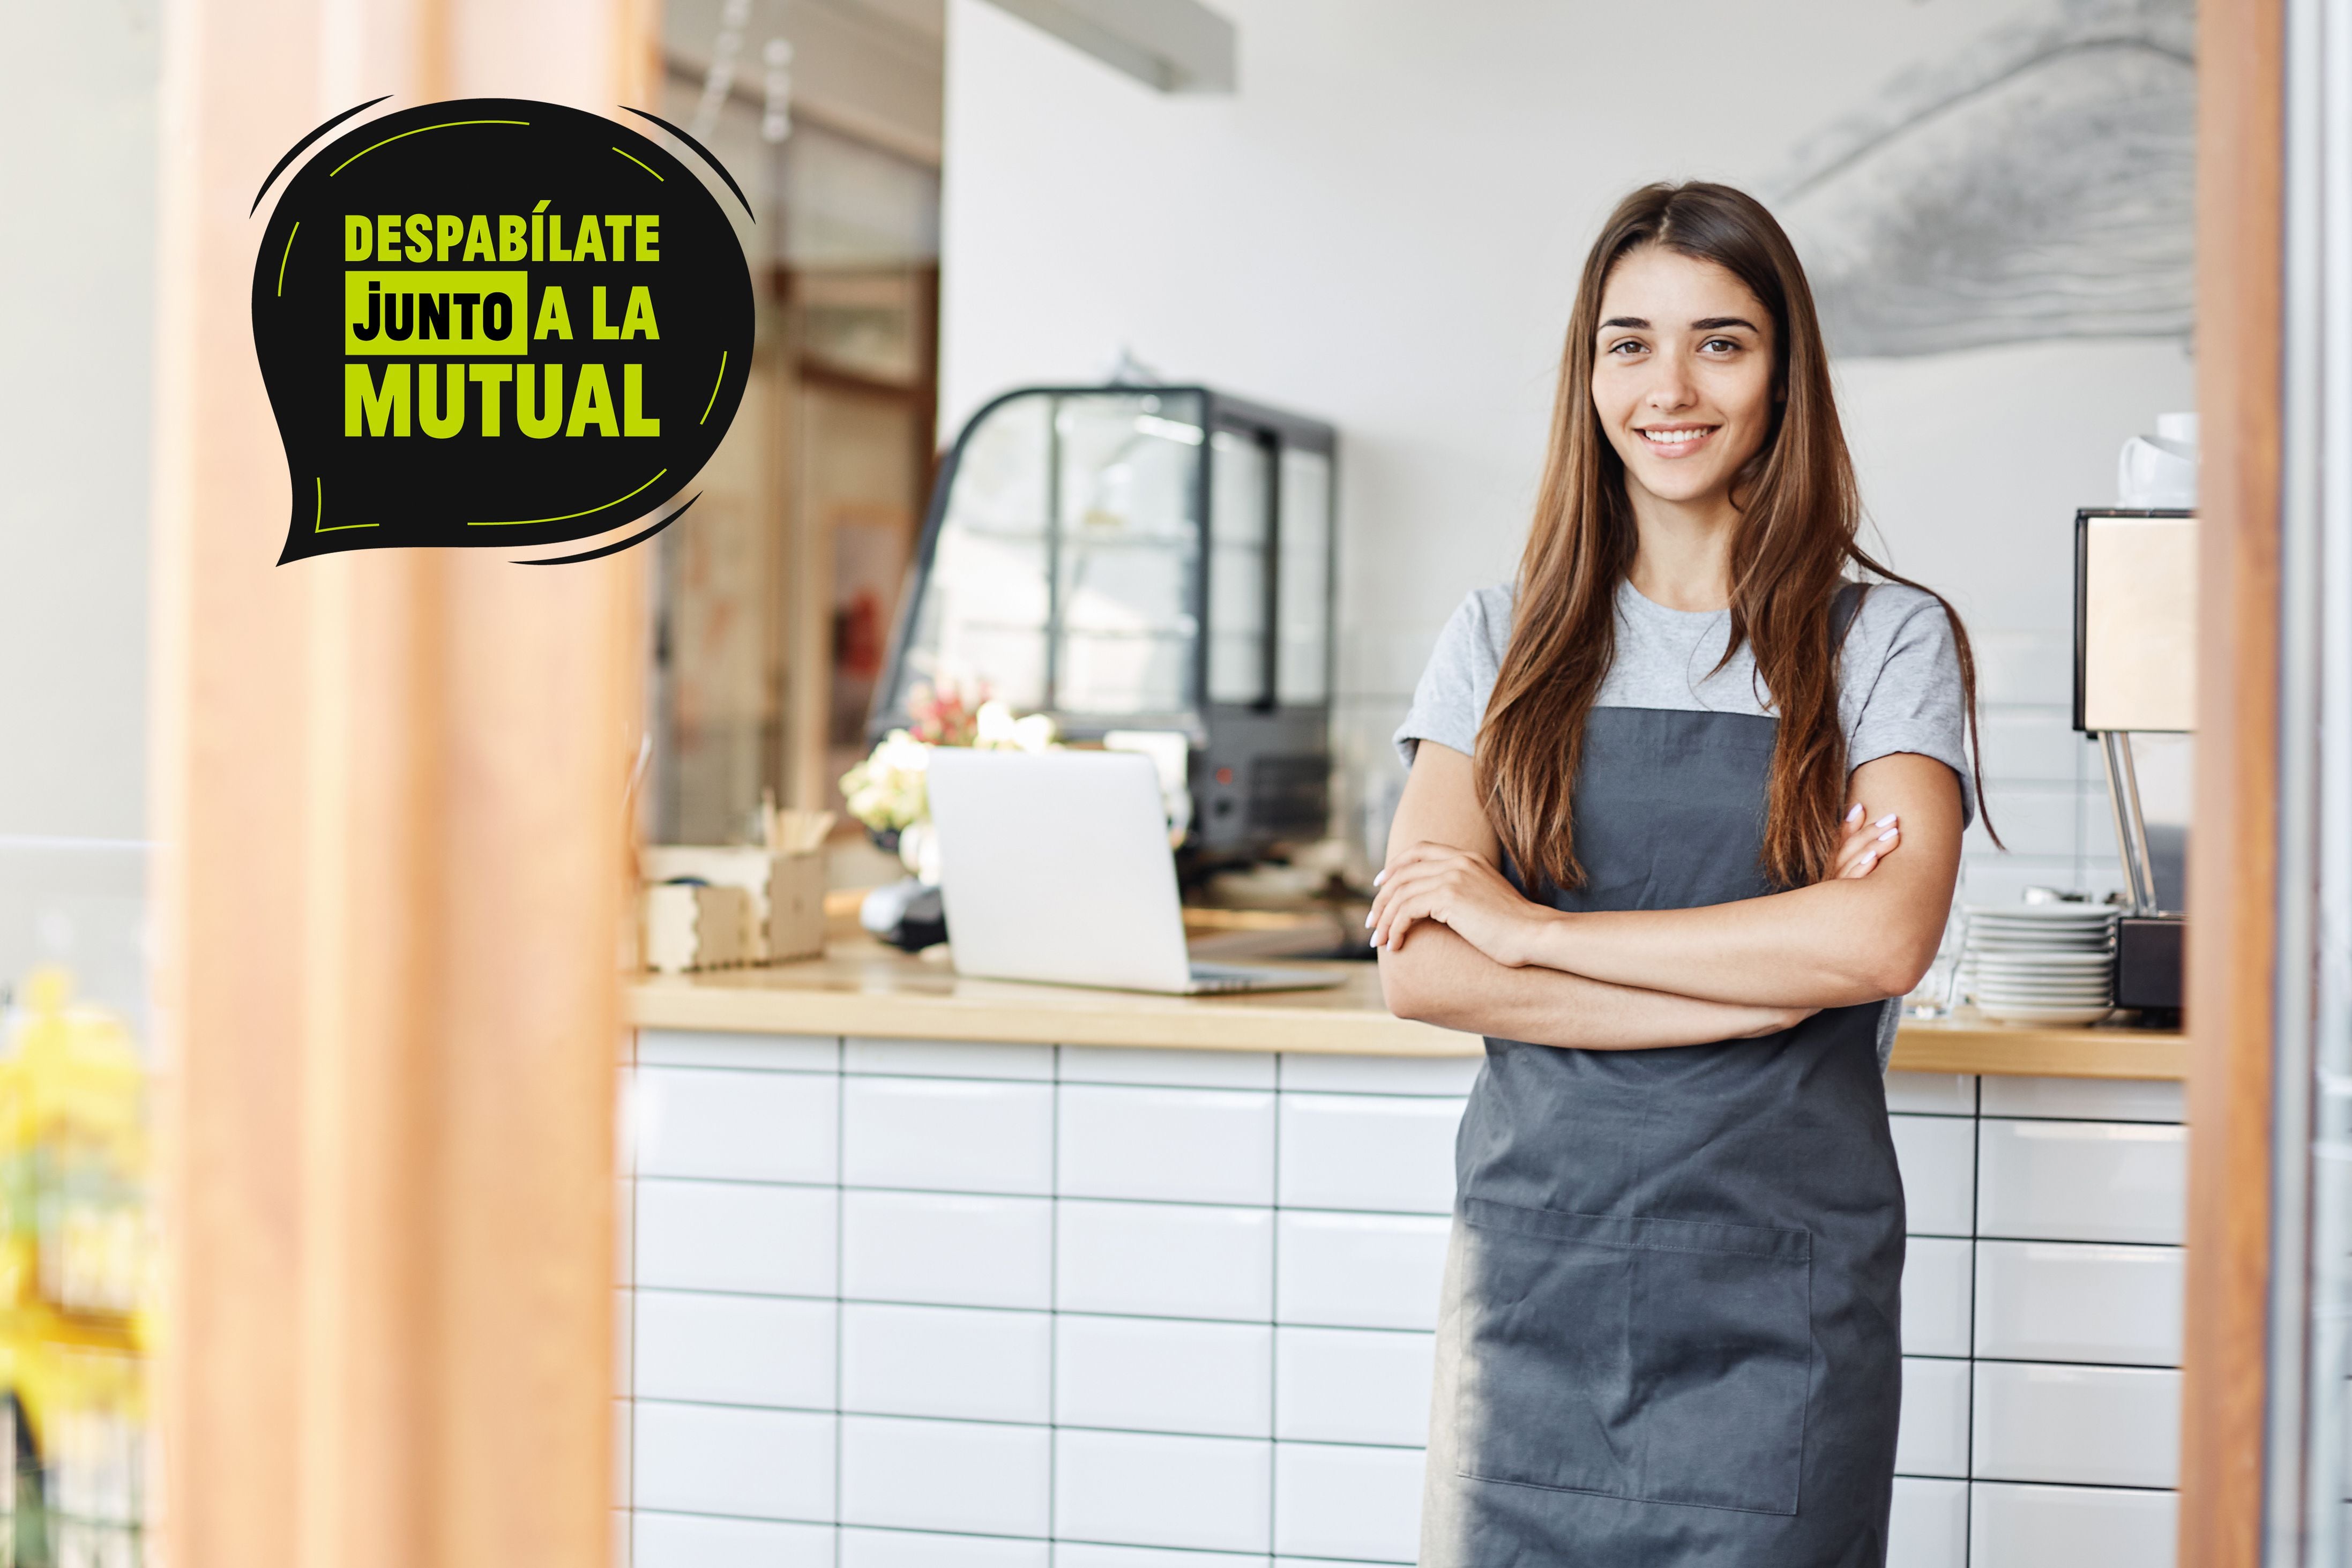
(498, 323)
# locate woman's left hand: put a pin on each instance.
(1458, 889)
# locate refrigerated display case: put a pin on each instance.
(1141, 558)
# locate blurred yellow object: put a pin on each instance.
(76, 1275)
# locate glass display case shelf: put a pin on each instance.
(1140, 557)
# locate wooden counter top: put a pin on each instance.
(861, 987)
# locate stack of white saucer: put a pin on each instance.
(2041, 963)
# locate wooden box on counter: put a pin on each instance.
(706, 906)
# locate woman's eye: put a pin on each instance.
(1625, 345)
(1721, 346)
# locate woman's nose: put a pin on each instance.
(1670, 384)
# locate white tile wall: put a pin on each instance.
(1124, 1489)
(746, 1126)
(1935, 1295)
(919, 1549)
(1159, 1374)
(1184, 1145)
(1309, 1071)
(2086, 1098)
(1353, 1502)
(1368, 1152)
(1071, 1293)
(703, 1048)
(1937, 1157)
(2085, 1425)
(1168, 1260)
(735, 1349)
(970, 1362)
(944, 1134)
(1183, 1069)
(2070, 1527)
(2061, 1300)
(2082, 1181)
(726, 1236)
(690, 1541)
(1930, 1524)
(1360, 1270)
(947, 1059)
(1932, 1093)
(751, 1464)
(1934, 1437)
(981, 1477)
(946, 1250)
(1353, 1385)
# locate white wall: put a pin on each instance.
(1382, 228)
(76, 203)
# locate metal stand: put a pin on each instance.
(2131, 827)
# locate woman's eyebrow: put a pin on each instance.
(1715, 323)
(1636, 322)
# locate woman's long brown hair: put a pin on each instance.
(1799, 513)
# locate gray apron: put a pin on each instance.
(1670, 1330)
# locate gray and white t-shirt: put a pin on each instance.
(1899, 681)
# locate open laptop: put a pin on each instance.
(1055, 865)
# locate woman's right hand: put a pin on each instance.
(1865, 844)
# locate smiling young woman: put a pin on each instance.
(1635, 852)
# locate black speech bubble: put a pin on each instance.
(481, 167)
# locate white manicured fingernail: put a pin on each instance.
(1884, 838)
(1855, 815)
(1380, 877)
(1868, 860)
(1887, 821)
(1368, 923)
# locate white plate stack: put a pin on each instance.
(2041, 963)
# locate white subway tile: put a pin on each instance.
(1990, 878)
(2025, 666)
(725, 1236)
(970, 1362)
(1935, 1295)
(2070, 1527)
(1182, 1070)
(947, 1059)
(1087, 1554)
(1353, 1385)
(2082, 1181)
(1332, 1502)
(1166, 1260)
(690, 1541)
(923, 1549)
(946, 1250)
(1360, 1271)
(2087, 1099)
(1187, 1145)
(946, 1134)
(1929, 1527)
(2085, 1425)
(755, 1464)
(625, 1339)
(945, 1475)
(1933, 1438)
(1932, 1093)
(740, 1126)
(1125, 1489)
(735, 1349)
(1368, 1152)
(725, 1048)
(2056, 1301)
(1937, 1158)
(1154, 1374)
(624, 1449)
(1309, 1071)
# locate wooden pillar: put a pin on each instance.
(389, 795)
(2234, 873)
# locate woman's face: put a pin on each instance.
(1682, 374)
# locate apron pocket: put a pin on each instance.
(1656, 1360)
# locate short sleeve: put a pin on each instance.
(1450, 699)
(1913, 701)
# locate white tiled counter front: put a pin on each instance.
(902, 1304)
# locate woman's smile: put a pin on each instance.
(1676, 441)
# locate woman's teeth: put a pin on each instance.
(1675, 438)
